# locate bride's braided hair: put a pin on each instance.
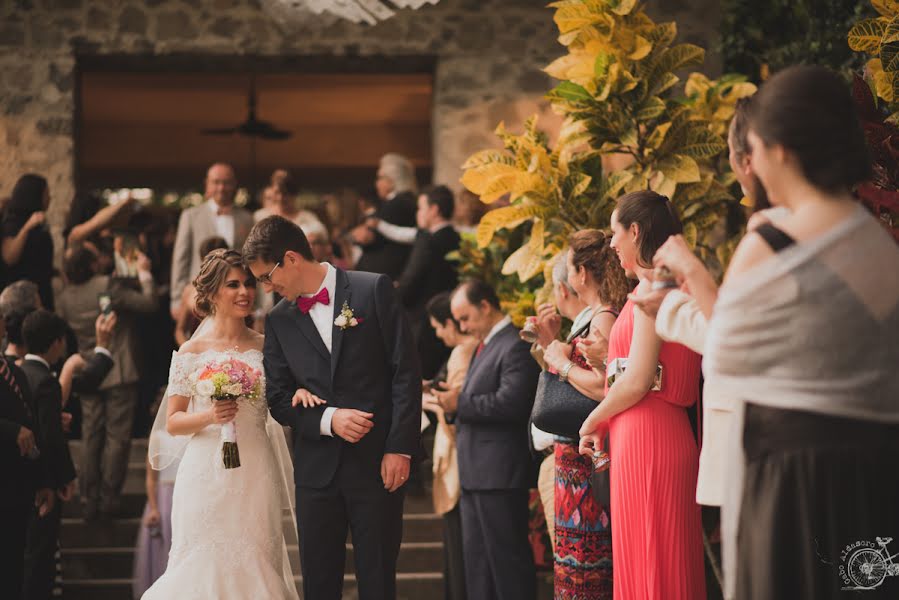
(212, 275)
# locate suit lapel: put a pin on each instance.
(341, 294)
(307, 327)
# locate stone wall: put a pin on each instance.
(489, 57)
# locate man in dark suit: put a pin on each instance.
(340, 337)
(27, 478)
(429, 273)
(44, 334)
(495, 464)
(386, 240)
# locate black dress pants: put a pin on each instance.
(453, 556)
(374, 518)
(42, 541)
(499, 562)
(14, 514)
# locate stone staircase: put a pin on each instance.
(97, 557)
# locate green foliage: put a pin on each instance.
(761, 36)
(879, 38)
(617, 95)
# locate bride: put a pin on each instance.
(227, 534)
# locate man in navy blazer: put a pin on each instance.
(341, 337)
(496, 468)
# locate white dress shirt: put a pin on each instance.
(322, 316)
(502, 323)
(224, 224)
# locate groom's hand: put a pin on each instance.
(394, 471)
(351, 424)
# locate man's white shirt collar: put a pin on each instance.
(329, 282)
(37, 358)
(502, 323)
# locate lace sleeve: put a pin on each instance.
(179, 375)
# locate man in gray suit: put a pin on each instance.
(496, 469)
(216, 217)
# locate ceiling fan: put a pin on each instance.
(251, 127)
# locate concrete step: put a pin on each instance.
(133, 505)
(117, 533)
(410, 586)
(117, 563)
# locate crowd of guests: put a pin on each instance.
(596, 402)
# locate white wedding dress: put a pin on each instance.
(227, 524)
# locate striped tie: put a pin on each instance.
(7, 376)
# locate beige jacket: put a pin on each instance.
(196, 225)
(446, 465)
(680, 320)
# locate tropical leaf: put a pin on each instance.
(652, 108)
(673, 59)
(613, 184)
(702, 143)
(883, 81)
(662, 34)
(887, 8)
(503, 217)
(580, 184)
(865, 35)
(623, 7)
(664, 83)
(889, 46)
(691, 233)
(527, 261)
(487, 157)
(679, 168)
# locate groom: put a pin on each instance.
(341, 336)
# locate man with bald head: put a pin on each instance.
(216, 217)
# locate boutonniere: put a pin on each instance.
(346, 318)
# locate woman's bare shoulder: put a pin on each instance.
(194, 345)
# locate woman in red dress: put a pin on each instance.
(657, 532)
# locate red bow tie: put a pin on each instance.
(306, 304)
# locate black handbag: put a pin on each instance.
(558, 407)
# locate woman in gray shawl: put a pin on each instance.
(805, 336)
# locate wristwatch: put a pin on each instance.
(563, 374)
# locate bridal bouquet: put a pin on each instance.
(230, 379)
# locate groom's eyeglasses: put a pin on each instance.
(268, 277)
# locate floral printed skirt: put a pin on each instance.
(583, 540)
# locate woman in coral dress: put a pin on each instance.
(657, 532)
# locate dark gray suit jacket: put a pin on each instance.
(493, 412)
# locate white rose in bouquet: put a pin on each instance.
(205, 388)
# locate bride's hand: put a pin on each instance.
(306, 398)
(223, 411)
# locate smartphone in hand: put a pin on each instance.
(105, 302)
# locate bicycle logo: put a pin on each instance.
(865, 567)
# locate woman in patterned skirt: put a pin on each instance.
(583, 538)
